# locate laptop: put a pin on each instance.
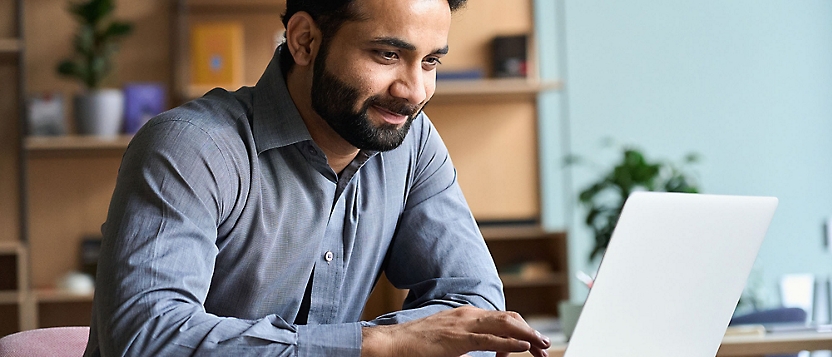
(671, 276)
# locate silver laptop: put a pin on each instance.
(671, 276)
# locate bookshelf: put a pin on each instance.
(15, 307)
(532, 264)
(489, 125)
(15, 312)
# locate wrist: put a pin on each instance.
(375, 342)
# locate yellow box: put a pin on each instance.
(217, 54)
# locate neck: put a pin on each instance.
(339, 153)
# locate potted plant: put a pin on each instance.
(605, 198)
(97, 111)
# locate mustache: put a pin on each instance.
(394, 105)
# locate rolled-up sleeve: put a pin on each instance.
(158, 255)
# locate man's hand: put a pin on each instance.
(455, 332)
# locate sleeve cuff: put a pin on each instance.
(329, 340)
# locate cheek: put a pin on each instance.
(371, 81)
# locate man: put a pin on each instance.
(257, 222)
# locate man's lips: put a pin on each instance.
(390, 117)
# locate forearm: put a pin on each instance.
(188, 331)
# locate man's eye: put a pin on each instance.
(388, 55)
(431, 62)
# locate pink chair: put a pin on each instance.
(46, 342)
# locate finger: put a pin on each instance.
(489, 342)
(511, 325)
(539, 352)
(544, 340)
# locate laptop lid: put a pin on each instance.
(671, 276)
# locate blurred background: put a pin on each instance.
(537, 101)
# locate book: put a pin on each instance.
(142, 101)
(469, 74)
(216, 55)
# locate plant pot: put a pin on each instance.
(100, 112)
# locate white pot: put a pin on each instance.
(100, 112)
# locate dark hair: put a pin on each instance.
(330, 15)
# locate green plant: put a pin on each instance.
(605, 198)
(95, 43)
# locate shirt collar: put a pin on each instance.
(276, 121)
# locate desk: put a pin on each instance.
(749, 346)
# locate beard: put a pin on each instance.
(334, 100)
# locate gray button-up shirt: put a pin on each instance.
(224, 209)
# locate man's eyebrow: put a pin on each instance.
(402, 44)
(441, 51)
(395, 42)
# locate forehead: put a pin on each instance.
(421, 22)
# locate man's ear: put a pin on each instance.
(303, 38)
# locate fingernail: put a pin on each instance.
(544, 338)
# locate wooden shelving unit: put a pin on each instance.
(75, 142)
(74, 202)
(14, 291)
(537, 291)
(15, 309)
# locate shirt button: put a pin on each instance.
(328, 256)
(312, 151)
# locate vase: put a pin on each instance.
(100, 112)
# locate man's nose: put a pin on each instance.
(410, 86)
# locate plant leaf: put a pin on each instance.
(117, 29)
(69, 68)
(633, 172)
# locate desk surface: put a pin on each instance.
(746, 346)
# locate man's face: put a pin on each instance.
(374, 76)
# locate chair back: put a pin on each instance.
(46, 342)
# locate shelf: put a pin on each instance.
(234, 6)
(516, 281)
(518, 232)
(9, 248)
(10, 297)
(10, 46)
(76, 142)
(491, 89)
(454, 90)
(57, 296)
